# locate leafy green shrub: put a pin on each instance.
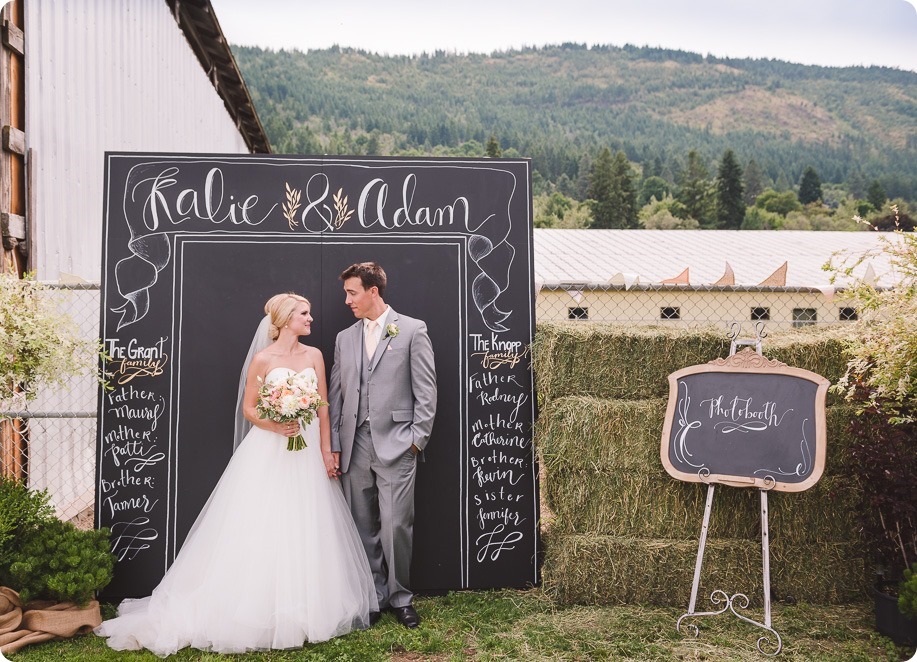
(884, 350)
(907, 594)
(59, 562)
(21, 510)
(758, 218)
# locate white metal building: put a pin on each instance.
(79, 78)
(695, 277)
(110, 75)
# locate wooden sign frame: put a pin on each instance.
(750, 363)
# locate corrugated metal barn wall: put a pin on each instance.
(106, 75)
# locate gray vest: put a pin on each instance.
(363, 405)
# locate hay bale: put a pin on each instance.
(615, 361)
(593, 434)
(596, 434)
(653, 505)
(603, 475)
(626, 532)
(606, 570)
(611, 361)
(819, 349)
(645, 504)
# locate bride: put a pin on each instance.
(274, 558)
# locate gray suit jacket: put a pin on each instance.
(402, 383)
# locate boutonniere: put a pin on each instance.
(391, 330)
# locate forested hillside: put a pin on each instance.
(562, 105)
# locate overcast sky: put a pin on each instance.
(825, 32)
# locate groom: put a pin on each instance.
(382, 400)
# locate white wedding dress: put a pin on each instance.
(273, 560)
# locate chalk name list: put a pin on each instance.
(501, 454)
(132, 448)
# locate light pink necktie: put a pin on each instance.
(371, 339)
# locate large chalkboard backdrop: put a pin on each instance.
(193, 247)
(746, 421)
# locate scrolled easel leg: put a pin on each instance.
(765, 644)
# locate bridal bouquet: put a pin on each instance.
(294, 398)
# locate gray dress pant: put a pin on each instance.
(381, 499)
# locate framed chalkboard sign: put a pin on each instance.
(746, 421)
(195, 244)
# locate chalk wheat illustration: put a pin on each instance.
(291, 205)
(340, 208)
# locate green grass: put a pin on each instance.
(527, 625)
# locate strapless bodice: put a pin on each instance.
(284, 372)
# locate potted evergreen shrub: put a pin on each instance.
(43, 558)
(885, 459)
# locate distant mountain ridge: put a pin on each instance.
(560, 104)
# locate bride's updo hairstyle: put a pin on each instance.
(280, 308)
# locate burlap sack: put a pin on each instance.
(35, 622)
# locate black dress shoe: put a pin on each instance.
(374, 617)
(407, 616)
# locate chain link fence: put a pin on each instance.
(780, 308)
(51, 444)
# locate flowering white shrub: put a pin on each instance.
(38, 345)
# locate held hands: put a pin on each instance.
(332, 463)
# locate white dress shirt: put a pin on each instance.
(380, 329)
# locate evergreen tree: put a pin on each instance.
(301, 140)
(613, 192)
(653, 187)
(372, 146)
(755, 182)
(856, 184)
(493, 147)
(782, 183)
(626, 200)
(730, 204)
(652, 168)
(875, 195)
(565, 185)
(694, 190)
(601, 190)
(809, 186)
(583, 177)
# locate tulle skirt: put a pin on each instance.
(273, 560)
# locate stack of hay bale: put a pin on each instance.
(622, 531)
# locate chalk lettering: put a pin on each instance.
(141, 502)
(158, 208)
(444, 216)
(504, 515)
(493, 544)
(131, 538)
